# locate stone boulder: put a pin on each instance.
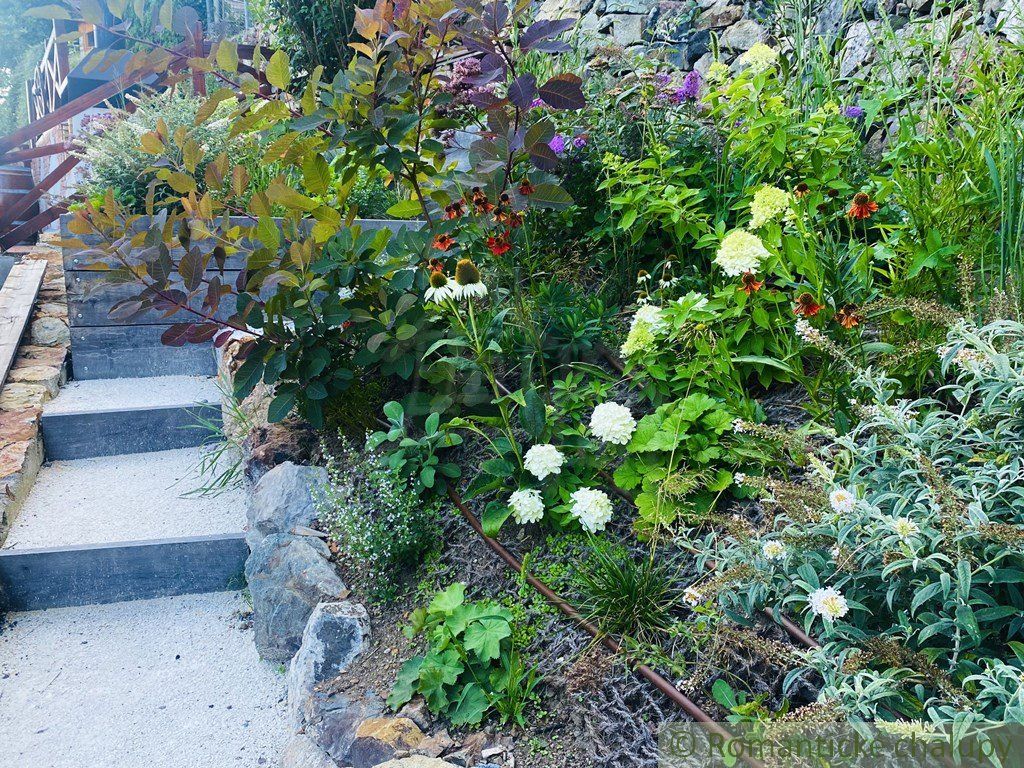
(302, 752)
(281, 500)
(288, 577)
(332, 720)
(416, 761)
(379, 739)
(335, 636)
(271, 445)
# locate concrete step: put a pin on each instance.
(106, 417)
(116, 528)
(158, 683)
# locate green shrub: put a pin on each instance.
(381, 525)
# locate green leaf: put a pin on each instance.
(437, 672)
(498, 467)
(484, 637)
(405, 209)
(405, 683)
(280, 407)
(278, 72)
(547, 195)
(470, 707)
(447, 601)
(494, 516)
(533, 415)
(227, 55)
(316, 174)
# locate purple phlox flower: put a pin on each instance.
(580, 141)
(853, 112)
(690, 89)
(557, 143)
(538, 102)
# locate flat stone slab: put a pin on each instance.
(94, 395)
(123, 498)
(158, 683)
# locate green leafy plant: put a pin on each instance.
(470, 666)
(417, 459)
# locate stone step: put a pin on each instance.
(106, 417)
(157, 683)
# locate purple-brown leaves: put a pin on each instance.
(523, 90)
(563, 91)
(537, 36)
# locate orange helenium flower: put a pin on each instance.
(526, 188)
(862, 206)
(806, 305)
(848, 317)
(801, 190)
(453, 210)
(749, 283)
(444, 242)
(500, 244)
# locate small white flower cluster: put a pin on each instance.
(768, 204)
(809, 334)
(828, 603)
(543, 460)
(967, 359)
(345, 293)
(739, 478)
(760, 58)
(592, 508)
(904, 527)
(842, 501)
(740, 252)
(692, 597)
(527, 506)
(612, 423)
(739, 426)
(648, 321)
(774, 551)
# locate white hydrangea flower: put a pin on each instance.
(543, 460)
(774, 550)
(592, 508)
(828, 603)
(612, 423)
(692, 597)
(345, 293)
(527, 506)
(768, 204)
(760, 58)
(648, 321)
(740, 252)
(905, 528)
(717, 73)
(652, 316)
(842, 501)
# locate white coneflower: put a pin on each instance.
(467, 281)
(612, 423)
(842, 501)
(904, 527)
(543, 460)
(440, 288)
(692, 597)
(527, 506)
(774, 550)
(592, 508)
(828, 603)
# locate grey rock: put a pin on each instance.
(288, 577)
(698, 45)
(302, 752)
(416, 761)
(1010, 21)
(50, 332)
(627, 29)
(742, 35)
(332, 720)
(383, 738)
(627, 6)
(417, 711)
(283, 500)
(859, 49)
(435, 745)
(720, 15)
(335, 636)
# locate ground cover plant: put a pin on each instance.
(723, 340)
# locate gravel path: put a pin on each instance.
(168, 683)
(122, 498)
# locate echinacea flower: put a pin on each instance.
(444, 241)
(527, 506)
(807, 305)
(828, 603)
(749, 283)
(760, 58)
(848, 317)
(740, 252)
(774, 550)
(440, 288)
(612, 423)
(862, 206)
(842, 501)
(499, 244)
(467, 280)
(543, 460)
(592, 508)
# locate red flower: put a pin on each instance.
(801, 190)
(500, 244)
(480, 201)
(443, 242)
(806, 305)
(848, 317)
(862, 206)
(749, 283)
(453, 210)
(436, 265)
(526, 188)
